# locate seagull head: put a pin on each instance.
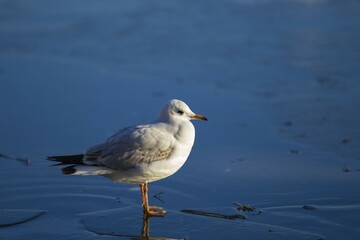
(177, 110)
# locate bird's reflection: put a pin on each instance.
(145, 232)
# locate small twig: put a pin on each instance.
(158, 197)
(211, 214)
(26, 161)
(247, 208)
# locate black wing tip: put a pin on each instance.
(70, 159)
(69, 170)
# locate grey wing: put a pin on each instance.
(130, 147)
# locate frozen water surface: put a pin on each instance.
(278, 80)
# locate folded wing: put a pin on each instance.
(130, 147)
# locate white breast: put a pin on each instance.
(185, 136)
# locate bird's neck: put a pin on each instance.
(185, 133)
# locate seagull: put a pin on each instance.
(140, 154)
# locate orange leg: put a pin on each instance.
(149, 210)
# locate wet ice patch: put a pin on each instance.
(178, 225)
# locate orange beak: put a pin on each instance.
(199, 117)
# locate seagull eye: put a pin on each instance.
(180, 112)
